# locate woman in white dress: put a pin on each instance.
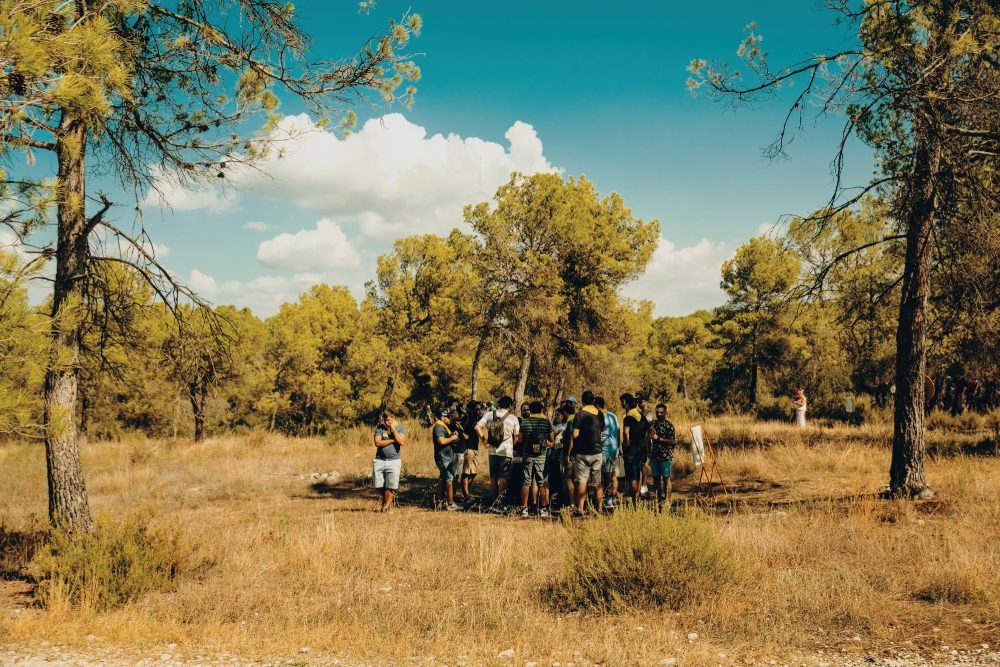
(800, 408)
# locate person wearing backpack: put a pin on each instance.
(588, 426)
(500, 428)
(473, 413)
(536, 439)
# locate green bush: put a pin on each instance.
(117, 562)
(639, 558)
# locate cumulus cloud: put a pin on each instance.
(680, 280)
(324, 248)
(258, 226)
(263, 294)
(390, 178)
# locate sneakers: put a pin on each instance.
(524, 511)
(451, 508)
(387, 509)
(544, 513)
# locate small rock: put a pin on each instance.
(506, 654)
(984, 646)
(304, 649)
(668, 662)
(639, 628)
(723, 656)
(856, 638)
(692, 636)
(531, 664)
(966, 620)
(386, 589)
(919, 522)
(171, 647)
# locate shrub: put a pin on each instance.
(781, 408)
(962, 586)
(116, 563)
(639, 558)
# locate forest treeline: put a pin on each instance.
(527, 304)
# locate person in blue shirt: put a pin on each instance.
(610, 445)
(444, 456)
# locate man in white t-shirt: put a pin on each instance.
(500, 429)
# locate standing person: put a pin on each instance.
(634, 444)
(458, 448)
(444, 457)
(800, 408)
(389, 437)
(554, 458)
(470, 468)
(536, 440)
(588, 425)
(662, 440)
(568, 458)
(500, 428)
(610, 448)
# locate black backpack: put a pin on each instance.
(495, 430)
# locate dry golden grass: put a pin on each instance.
(297, 561)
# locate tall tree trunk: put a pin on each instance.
(906, 472)
(197, 392)
(68, 504)
(477, 357)
(522, 379)
(753, 370)
(684, 382)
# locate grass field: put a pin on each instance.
(287, 552)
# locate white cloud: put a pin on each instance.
(682, 280)
(325, 248)
(263, 294)
(258, 226)
(390, 178)
(170, 194)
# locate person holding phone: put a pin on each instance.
(389, 438)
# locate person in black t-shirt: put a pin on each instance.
(588, 425)
(473, 413)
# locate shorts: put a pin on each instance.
(533, 470)
(385, 474)
(587, 468)
(661, 468)
(444, 458)
(470, 467)
(610, 460)
(500, 466)
(457, 465)
(633, 464)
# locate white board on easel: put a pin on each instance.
(697, 445)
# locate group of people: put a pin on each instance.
(537, 461)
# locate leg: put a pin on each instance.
(449, 489)
(387, 496)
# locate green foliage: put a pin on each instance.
(23, 351)
(638, 558)
(118, 562)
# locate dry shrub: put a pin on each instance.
(953, 586)
(639, 558)
(117, 563)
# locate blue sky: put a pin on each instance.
(602, 87)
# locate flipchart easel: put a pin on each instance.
(704, 456)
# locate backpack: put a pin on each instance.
(495, 431)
